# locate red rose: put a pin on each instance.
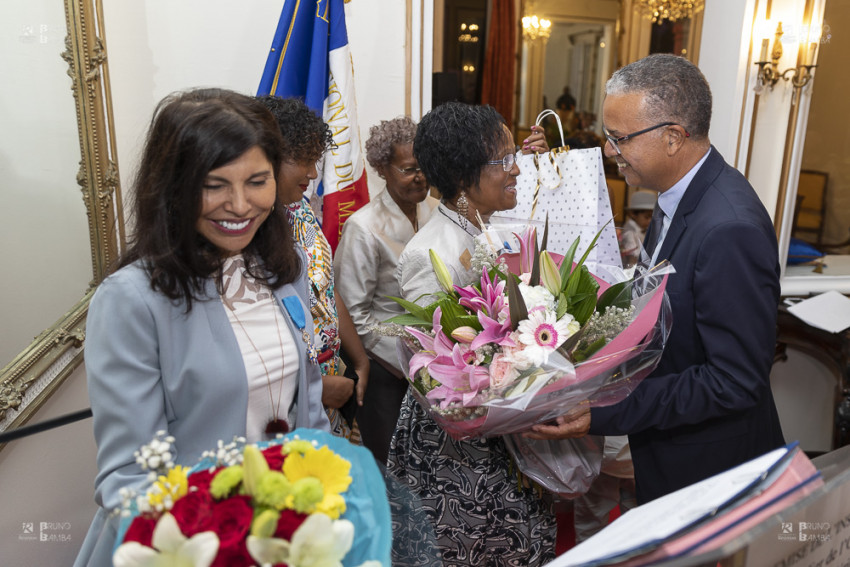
(289, 521)
(274, 457)
(141, 530)
(201, 480)
(234, 557)
(194, 513)
(232, 520)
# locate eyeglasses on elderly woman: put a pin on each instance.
(506, 162)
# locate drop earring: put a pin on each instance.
(463, 209)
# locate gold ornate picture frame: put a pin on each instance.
(34, 374)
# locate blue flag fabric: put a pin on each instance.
(309, 59)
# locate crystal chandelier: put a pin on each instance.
(658, 10)
(534, 28)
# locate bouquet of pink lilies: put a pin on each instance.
(537, 336)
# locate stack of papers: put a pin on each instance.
(702, 516)
(829, 311)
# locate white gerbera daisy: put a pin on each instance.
(542, 333)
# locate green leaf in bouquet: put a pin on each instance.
(544, 244)
(562, 306)
(408, 320)
(453, 315)
(567, 262)
(582, 302)
(570, 343)
(585, 351)
(618, 295)
(413, 309)
(516, 304)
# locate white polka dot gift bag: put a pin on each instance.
(568, 186)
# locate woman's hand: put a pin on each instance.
(361, 368)
(336, 390)
(564, 427)
(536, 142)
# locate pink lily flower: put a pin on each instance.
(438, 345)
(493, 332)
(462, 380)
(526, 249)
(490, 298)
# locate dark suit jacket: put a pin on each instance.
(708, 406)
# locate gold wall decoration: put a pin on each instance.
(34, 374)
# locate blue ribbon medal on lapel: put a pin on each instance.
(293, 308)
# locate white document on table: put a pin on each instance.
(829, 311)
(643, 528)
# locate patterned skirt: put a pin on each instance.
(459, 502)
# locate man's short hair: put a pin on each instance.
(674, 90)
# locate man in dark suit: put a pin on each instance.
(708, 406)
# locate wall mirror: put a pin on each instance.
(63, 223)
(822, 154)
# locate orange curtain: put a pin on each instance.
(498, 86)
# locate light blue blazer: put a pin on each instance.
(152, 367)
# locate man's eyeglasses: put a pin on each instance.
(615, 141)
(408, 171)
(506, 162)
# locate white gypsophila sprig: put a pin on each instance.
(483, 257)
(388, 330)
(608, 324)
(226, 454)
(157, 456)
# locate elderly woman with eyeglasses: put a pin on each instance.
(479, 512)
(365, 264)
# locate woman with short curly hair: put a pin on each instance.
(480, 513)
(365, 266)
(306, 137)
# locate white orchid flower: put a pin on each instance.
(318, 542)
(172, 548)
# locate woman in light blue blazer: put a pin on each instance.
(204, 331)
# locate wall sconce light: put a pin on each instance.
(769, 74)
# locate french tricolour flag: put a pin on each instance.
(310, 59)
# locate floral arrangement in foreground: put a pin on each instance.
(271, 504)
(536, 336)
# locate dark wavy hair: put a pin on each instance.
(305, 135)
(453, 143)
(191, 134)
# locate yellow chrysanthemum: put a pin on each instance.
(167, 489)
(330, 469)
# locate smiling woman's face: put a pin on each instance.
(496, 190)
(236, 199)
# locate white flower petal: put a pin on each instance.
(167, 535)
(268, 551)
(321, 542)
(134, 554)
(200, 549)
